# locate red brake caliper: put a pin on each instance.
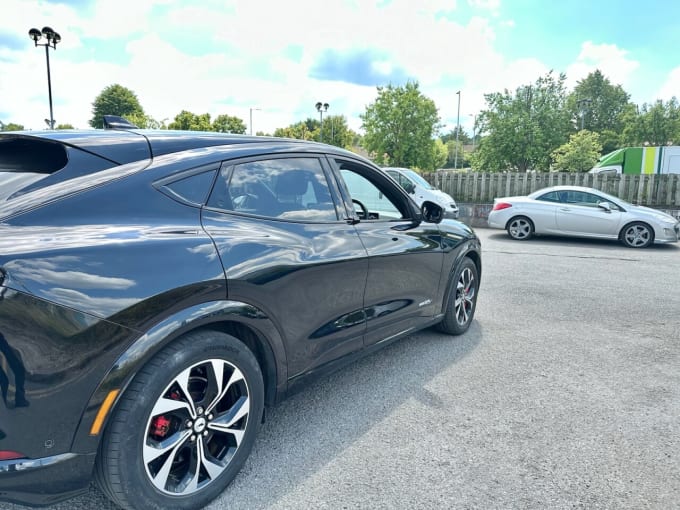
(160, 426)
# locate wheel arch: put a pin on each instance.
(473, 253)
(520, 215)
(240, 320)
(633, 222)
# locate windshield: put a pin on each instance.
(417, 179)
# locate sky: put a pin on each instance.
(274, 60)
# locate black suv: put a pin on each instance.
(158, 289)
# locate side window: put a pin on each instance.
(553, 196)
(372, 199)
(287, 188)
(581, 198)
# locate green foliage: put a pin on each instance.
(522, 129)
(657, 123)
(303, 130)
(579, 154)
(188, 121)
(114, 100)
(11, 127)
(143, 121)
(229, 124)
(463, 137)
(64, 126)
(400, 126)
(598, 104)
(438, 156)
(335, 131)
(451, 154)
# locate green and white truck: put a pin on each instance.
(640, 160)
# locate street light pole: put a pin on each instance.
(52, 38)
(474, 125)
(321, 107)
(251, 119)
(455, 160)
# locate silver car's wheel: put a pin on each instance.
(520, 228)
(637, 235)
(184, 426)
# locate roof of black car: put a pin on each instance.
(125, 146)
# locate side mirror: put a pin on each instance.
(432, 213)
(410, 188)
(605, 205)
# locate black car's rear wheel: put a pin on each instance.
(462, 299)
(185, 425)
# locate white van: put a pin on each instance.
(421, 190)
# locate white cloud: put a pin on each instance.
(671, 87)
(608, 58)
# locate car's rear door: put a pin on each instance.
(287, 249)
(405, 254)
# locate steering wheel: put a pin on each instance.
(245, 201)
(364, 212)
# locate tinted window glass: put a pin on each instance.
(289, 189)
(376, 204)
(553, 196)
(193, 189)
(580, 198)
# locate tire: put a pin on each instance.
(520, 228)
(185, 425)
(637, 235)
(462, 299)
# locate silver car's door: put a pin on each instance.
(579, 214)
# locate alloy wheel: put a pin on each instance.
(196, 427)
(637, 236)
(519, 228)
(465, 294)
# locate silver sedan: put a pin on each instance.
(582, 212)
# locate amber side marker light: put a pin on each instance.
(10, 455)
(103, 411)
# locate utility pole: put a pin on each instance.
(455, 159)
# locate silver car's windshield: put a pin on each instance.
(418, 179)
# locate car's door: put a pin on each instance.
(287, 249)
(579, 214)
(405, 255)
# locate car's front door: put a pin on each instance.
(288, 250)
(405, 255)
(578, 213)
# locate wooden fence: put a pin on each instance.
(478, 188)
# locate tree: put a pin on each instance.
(522, 129)
(335, 131)
(229, 124)
(11, 127)
(438, 156)
(303, 130)
(114, 100)
(143, 121)
(400, 125)
(657, 123)
(579, 154)
(463, 137)
(597, 104)
(188, 121)
(64, 126)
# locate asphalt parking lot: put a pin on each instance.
(565, 393)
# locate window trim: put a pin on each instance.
(229, 168)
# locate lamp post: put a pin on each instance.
(52, 38)
(251, 118)
(455, 159)
(474, 125)
(583, 108)
(321, 107)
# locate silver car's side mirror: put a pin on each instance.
(605, 205)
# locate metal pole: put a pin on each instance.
(455, 160)
(321, 128)
(49, 85)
